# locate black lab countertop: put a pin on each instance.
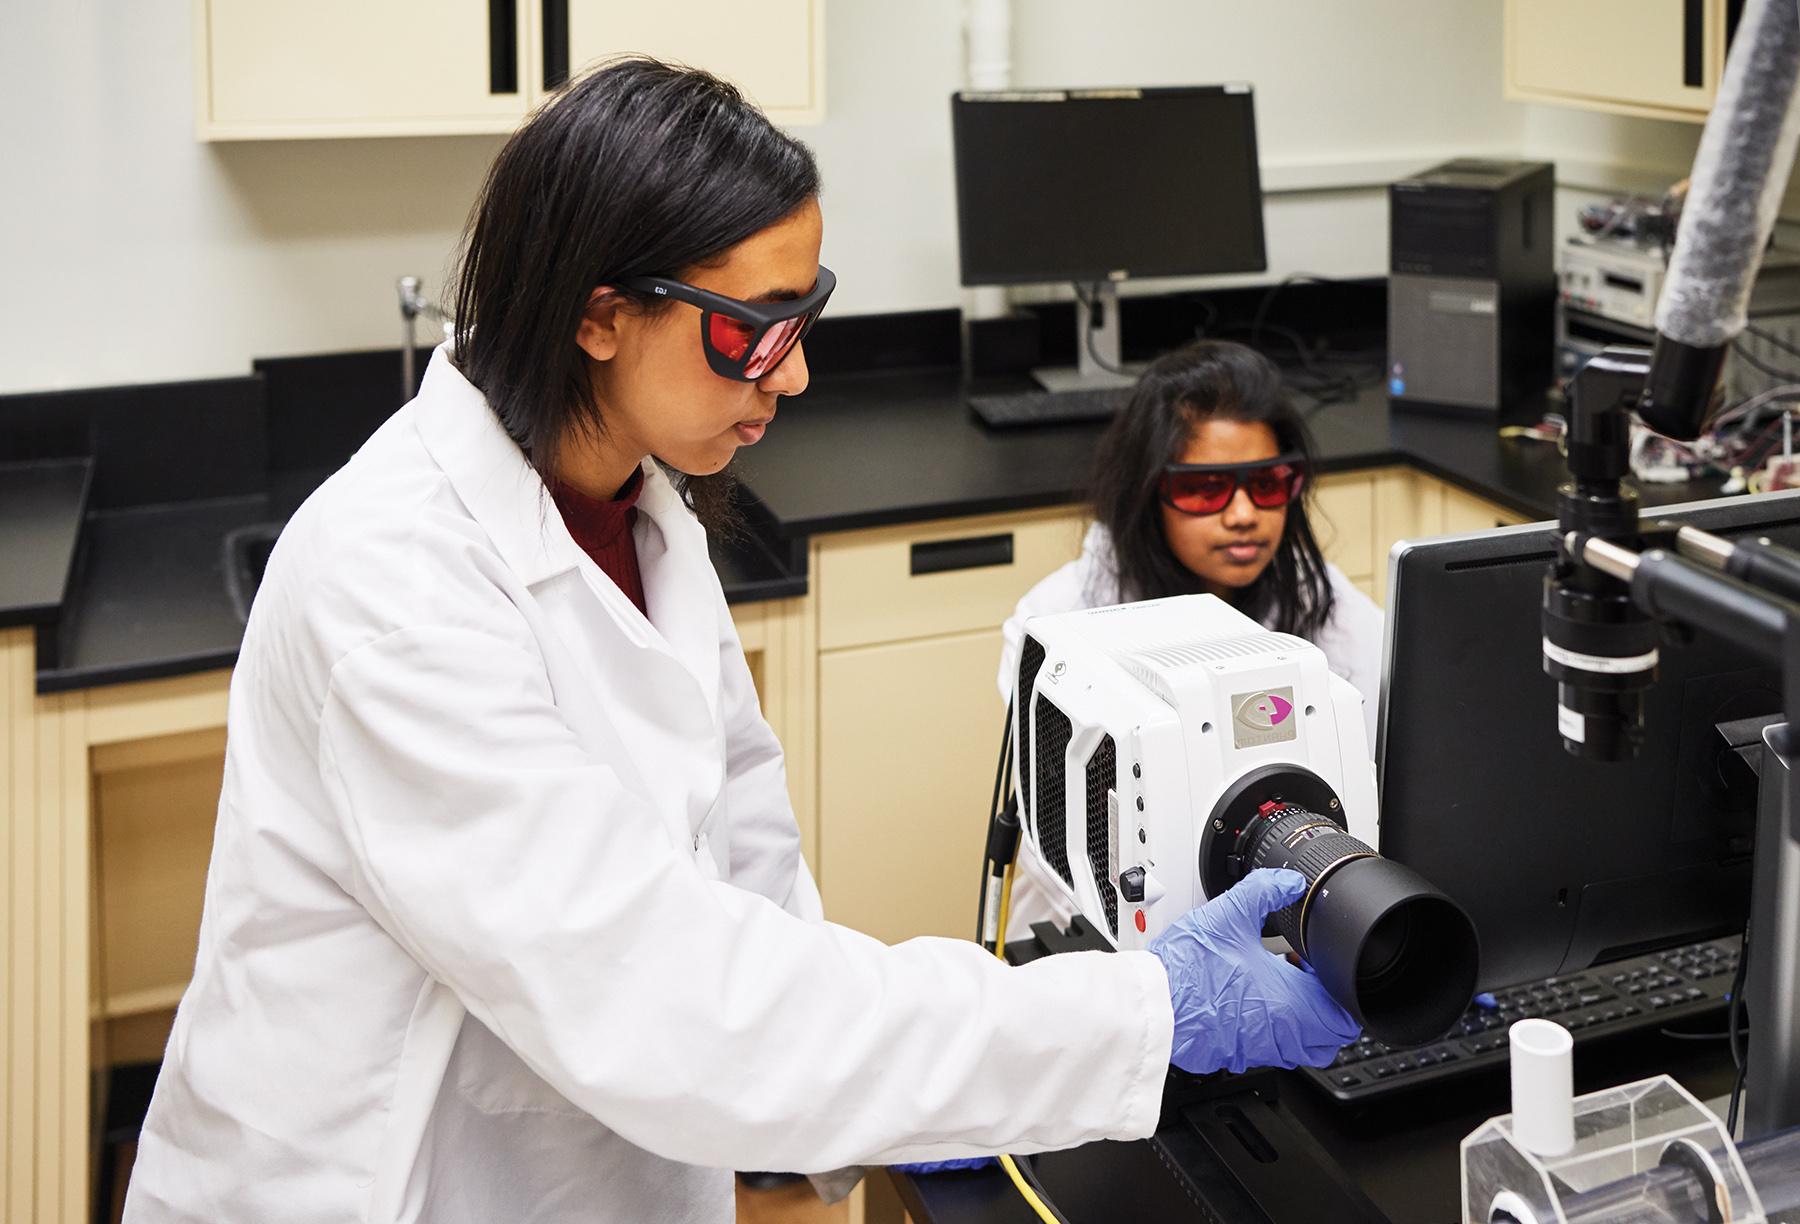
(148, 596)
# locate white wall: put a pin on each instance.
(134, 253)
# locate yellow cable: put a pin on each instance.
(1006, 1162)
(1026, 1192)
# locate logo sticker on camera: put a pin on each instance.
(1263, 717)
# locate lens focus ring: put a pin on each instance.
(1310, 844)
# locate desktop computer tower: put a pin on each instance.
(1472, 285)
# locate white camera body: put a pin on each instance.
(1131, 722)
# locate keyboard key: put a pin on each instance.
(1592, 1003)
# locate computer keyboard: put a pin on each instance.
(1654, 991)
(1005, 411)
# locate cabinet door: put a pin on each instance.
(1661, 58)
(909, 734)
(1466, 512)
(356, 68)
(1345, 522)
(774, 49)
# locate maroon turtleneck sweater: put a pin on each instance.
(603, 530)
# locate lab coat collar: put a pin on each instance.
(508, 499)
(490, 473)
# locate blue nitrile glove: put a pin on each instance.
(1238, 1005)
(943, 1166)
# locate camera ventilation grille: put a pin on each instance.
(1031, 657)
(1101, 836)
(1052, 823)
(1150, 666)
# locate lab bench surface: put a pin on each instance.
(1402, 1154)
(879, 449)
(855, 451)
(40, 520)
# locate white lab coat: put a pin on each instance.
(507, 919)
(1350, 640)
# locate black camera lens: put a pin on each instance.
(1398, 954)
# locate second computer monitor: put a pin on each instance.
(1098, 185)
(1561, 862)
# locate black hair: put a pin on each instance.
(640, 168)
(1206, 380)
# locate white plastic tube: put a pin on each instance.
(1543, 1087)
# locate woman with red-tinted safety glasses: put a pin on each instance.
(494, 700)
(745, 340)
(1207, 488)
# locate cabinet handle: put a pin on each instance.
(503, 46)
(556, 43)
(1693, 43)
(970, 552)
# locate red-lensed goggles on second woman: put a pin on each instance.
(745, 340)
(1207, 488)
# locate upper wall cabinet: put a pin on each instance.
(357, 68)
(1661, 59)
(268, 71)
(773, 49)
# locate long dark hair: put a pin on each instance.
(1209, 379)
(640, 168)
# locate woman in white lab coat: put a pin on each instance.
(506, 918)
(1201, 486)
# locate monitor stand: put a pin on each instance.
(1096, 346)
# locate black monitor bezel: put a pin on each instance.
(968, 97)
(1520, 545)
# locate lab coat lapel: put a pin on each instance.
(506, 496)
(679, 580)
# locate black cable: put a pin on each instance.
(1023, 1164)
(1295, 278)
(1739, 1056)
(1771, 338)
(1087, 333)
(1001, 771)
(1751, 359)
(1212, 317)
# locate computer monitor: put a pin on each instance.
(1563, 863)
(1094, 186)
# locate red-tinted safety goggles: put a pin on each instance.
(745, 340)
(1207, 488)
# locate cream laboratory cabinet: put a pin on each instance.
(339, 68)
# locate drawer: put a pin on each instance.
(1344, 522)
(925, 579)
